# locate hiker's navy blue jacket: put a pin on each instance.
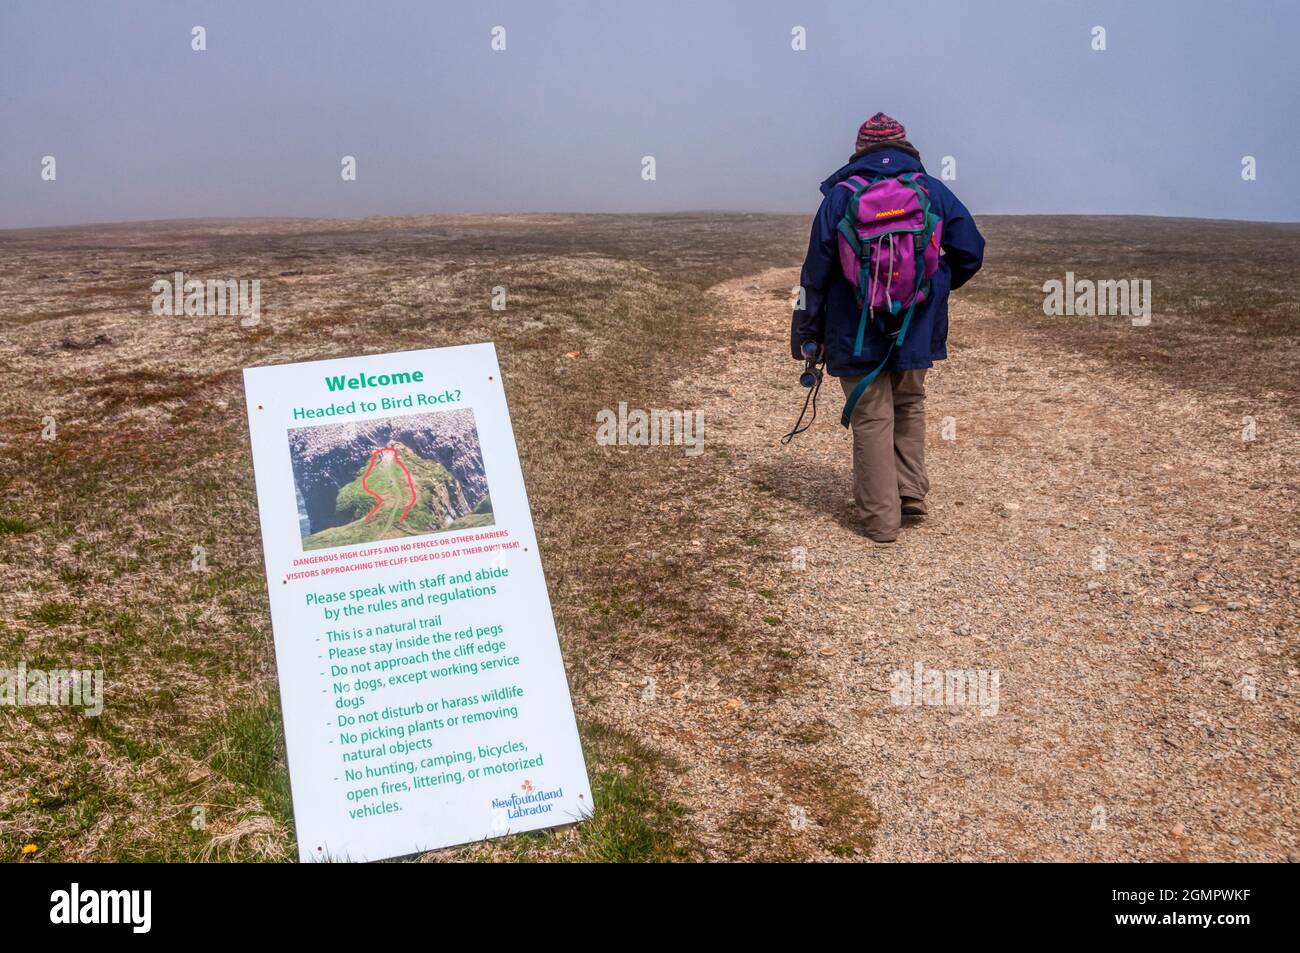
(831, 314)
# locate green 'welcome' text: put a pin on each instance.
(374, 380)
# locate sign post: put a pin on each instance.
(424, 696)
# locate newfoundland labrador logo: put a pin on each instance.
(532, 802)
(134, 907)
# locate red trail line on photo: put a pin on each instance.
(379, 500)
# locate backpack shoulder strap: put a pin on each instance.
(856, 183)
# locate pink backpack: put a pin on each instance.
(889, 250)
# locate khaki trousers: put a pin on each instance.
(888, 426)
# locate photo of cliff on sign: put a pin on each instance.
(386, 479)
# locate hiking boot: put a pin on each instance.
(912, 506)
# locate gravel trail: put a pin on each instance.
(1115, 555)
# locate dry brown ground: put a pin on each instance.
(732, 707)
(97, 526)
(1125, 690)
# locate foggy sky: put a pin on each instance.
(142, 127)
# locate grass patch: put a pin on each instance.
(10, 525)
(633, 821)
(53, 613)
(247, 748)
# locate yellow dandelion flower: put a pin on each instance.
(29, 849)
(36, 800)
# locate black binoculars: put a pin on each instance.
(812, 372)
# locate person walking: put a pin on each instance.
(887, 245)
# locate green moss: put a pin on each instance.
(53, 613)
(247, 747)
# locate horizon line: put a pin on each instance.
(198, 220)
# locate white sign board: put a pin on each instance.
(425, 701)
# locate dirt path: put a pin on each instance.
(1145, 710)
(394, 480)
